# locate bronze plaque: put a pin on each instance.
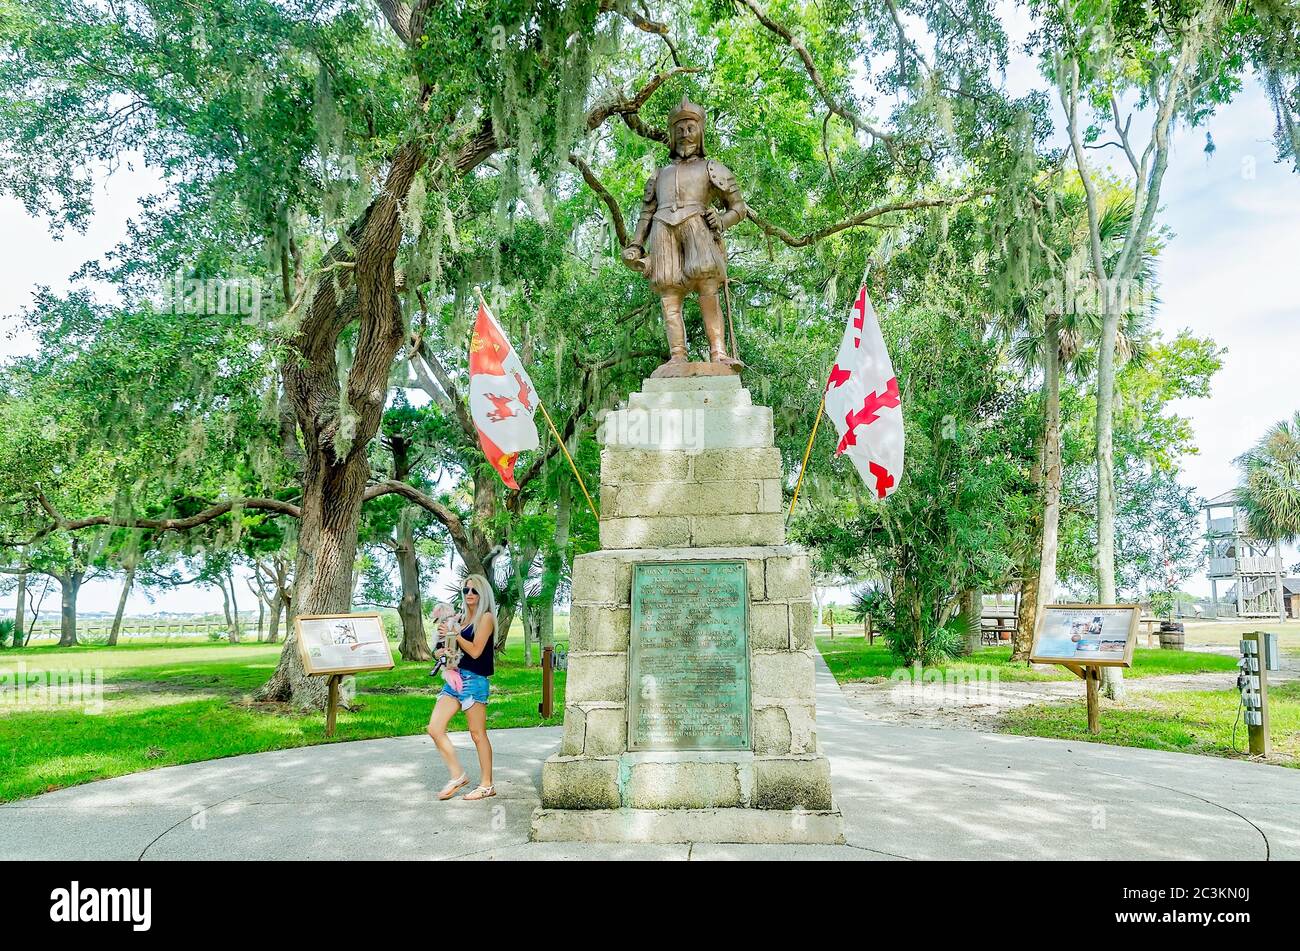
(688, 665)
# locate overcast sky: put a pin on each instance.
(1229, 272)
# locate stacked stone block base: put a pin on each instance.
(702, 483)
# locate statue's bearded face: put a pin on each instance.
(686, 135)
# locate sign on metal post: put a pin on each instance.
(1254, 693)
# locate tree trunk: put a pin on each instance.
(1022, 640)
(127, 583)
(1112, 677)
(36, 612)
(261, 619)
(1038, 577)
(336, 426)
(415, 641)
(20, 607)
(327, 545)
(281, 601)
(232, 635)
(71, 585)
(277, 605)
(972, 606)
(1281, 589)
(287, 607)
(236, 633)
(1052, 468)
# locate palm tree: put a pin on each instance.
(1270, 485)
(1270, 489)
(1052, 334)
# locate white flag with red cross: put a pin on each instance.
(502, 400)
(863, 402)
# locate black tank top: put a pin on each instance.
(483, 663)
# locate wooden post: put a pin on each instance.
(547, 707)
(332, 710)
(1256, 701)
(1092, 677)
(871, 630)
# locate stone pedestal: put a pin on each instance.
(689, 474)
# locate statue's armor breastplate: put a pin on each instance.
(682, 189)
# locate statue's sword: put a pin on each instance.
(726, 291)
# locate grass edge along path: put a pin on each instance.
(1198, 722)
(197, 705)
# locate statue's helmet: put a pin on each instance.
(684, 110)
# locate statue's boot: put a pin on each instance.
(714, 329)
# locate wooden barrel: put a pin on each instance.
(1172, 637)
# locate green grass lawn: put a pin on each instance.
(170, 703)
(853, 659)
(1183, 721)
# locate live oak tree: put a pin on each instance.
(239, 78)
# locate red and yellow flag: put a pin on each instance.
(502, 400)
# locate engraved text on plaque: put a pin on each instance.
(689, 661)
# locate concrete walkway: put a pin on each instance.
(906, 792)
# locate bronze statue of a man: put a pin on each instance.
(686, 252)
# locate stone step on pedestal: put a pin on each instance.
(691, 399)
(688, 414)
(689, 429)
(717, 384)
(663, 826)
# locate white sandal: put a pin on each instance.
(480, 792)
(453, 785)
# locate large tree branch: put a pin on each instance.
(615, 213)
(398, 15)
(166, 524)
(406, 22)
(862, 218)
(837, 107)
(627, 106)
(450, 520)
(640, 22)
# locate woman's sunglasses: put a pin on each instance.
(468, 591)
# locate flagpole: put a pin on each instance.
(803, 466)
(563, 448)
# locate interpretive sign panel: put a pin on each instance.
(1100, 635)
(343, 643)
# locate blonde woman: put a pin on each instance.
(475, 641)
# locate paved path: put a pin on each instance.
(906, 792)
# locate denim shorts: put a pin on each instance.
(474, 689)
